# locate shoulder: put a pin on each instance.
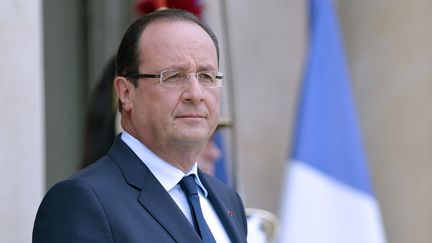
(99, 167)
(67, 212)
(70, 207)
(82, 184)
(81, 189)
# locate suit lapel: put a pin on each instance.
(153, 196)
(160, 205)
(223, 211)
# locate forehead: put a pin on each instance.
(176, 42)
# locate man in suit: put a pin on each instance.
(168, 88)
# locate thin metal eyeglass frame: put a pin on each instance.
(147, 75)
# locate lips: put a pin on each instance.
(191, 116)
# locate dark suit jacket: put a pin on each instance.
(118, 199)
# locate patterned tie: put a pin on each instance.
(189, 187)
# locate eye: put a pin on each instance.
(173, 77)
(206, 77)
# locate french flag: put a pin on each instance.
(327, 195)
(221, 171)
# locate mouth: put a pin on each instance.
(192, 116)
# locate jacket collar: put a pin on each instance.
(156, 200)
(153, 197)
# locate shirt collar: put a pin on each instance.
(167, 174)
(194, 171)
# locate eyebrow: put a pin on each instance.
(206, 67)
(200, 67)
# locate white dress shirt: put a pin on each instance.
(169, 176)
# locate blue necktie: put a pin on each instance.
(189, 187)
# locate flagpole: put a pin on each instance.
(230, 93)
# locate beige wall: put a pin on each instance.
(389, 47)
(390, 53)
(267, 46)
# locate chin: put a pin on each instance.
(197, 137)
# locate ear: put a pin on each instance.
(125, 92)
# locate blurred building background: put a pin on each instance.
(53, 51)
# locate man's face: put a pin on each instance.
(163, 117)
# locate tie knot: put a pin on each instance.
(187, 184)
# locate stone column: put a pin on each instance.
(21, 123)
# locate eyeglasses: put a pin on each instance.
(169, 78)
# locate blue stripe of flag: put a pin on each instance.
(327, 133)
(221, 164)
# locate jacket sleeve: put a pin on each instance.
(71, 212)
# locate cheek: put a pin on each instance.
(213, 100)
(213, 105)
(143, 107)
(163, 106)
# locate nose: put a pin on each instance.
(193, 92)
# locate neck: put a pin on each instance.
(182, 156)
